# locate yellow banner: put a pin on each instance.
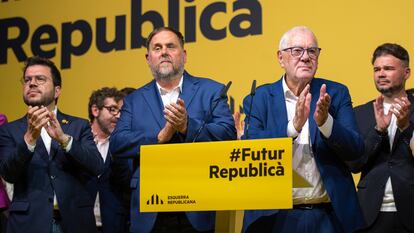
(231, 175)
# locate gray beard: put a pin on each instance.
(168, 76)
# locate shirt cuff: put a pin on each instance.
(30, 147)
(69, 146)
(291, 131)
(326, 128)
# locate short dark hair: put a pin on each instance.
(161, 29)
(395, 50)
(127, 90)
(36, 60)
(98, 98)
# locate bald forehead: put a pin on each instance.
(296, 37)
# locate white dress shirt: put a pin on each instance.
(303, 161)
(171, 96)
(388, 204)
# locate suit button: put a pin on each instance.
(52, 177)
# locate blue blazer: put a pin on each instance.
(269, 120)
(37, 176)
(142, 119)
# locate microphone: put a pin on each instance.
(252, 93)
(223, 94)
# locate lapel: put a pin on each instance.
(278, 103)
(189, 89)
(153, 99)
(315, 91)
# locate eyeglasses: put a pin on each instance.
(313, 52)
(113, 110)
(39, 79)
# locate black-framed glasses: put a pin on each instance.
(39, 79)
(313, 52)
(113, 110)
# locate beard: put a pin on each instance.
(167, 73)
(390, 91)
(163, 73)
(44, 100)
(105, 126)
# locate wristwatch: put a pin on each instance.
(65, 144)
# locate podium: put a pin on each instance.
(227, 177)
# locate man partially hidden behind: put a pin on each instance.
(113, 185)
(175, 107)
(317, 114)
(49, 157)
(386, 187)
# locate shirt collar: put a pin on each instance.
(164, 91)
(95, 138)
(286, 91)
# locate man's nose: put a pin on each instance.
(33, 82)
(118, 115)
(305, 56)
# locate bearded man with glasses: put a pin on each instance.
(111, 206)
(317, 114)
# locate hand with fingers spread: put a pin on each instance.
(176, 115)
(401, 109)
(302, 109)
(383, 120)
(322, 107)
(55, 130)
(37, 117)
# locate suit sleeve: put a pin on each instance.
(14, 155)
(219, 126)
(125, 142)
(345, 139)
(84, 152)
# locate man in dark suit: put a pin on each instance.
(111, 211)
(49, 157)
(317, 114)
(386, 187)
(173, 108)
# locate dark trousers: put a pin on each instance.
(301, 219)
(174, 222)
(386, 222)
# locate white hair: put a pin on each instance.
(287, 35)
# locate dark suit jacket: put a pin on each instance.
(37, 176)
(142, 119)
(113, 188)
(269, 120)
(379, 163)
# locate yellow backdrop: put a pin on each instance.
(348, 32)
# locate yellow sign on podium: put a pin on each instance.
(229, 175)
